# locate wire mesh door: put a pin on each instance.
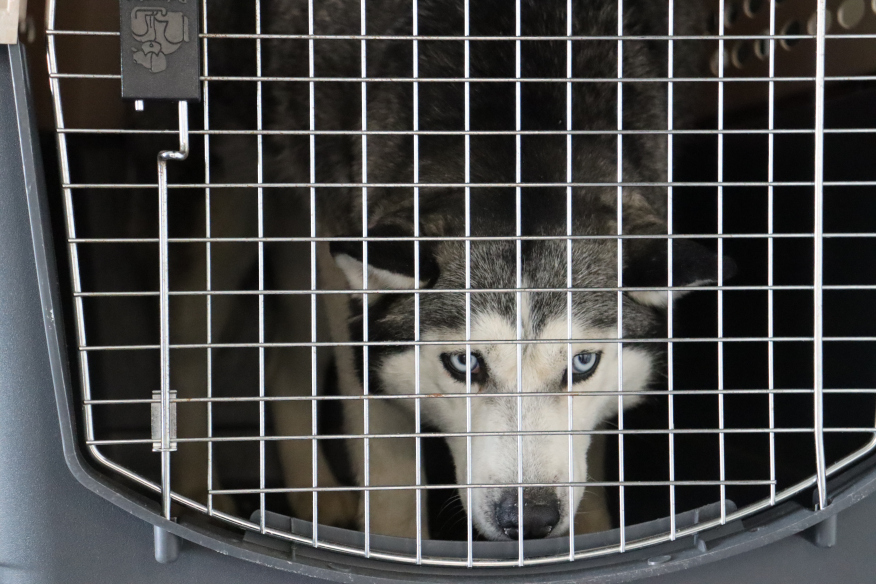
(462, 270)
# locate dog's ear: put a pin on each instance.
(692, 265)
(391, 262)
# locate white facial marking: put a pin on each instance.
(378, 279)
(494, 408)
(660, 298)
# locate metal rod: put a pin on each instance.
(464, 290)
(619, 160)
(260, 204)
(517, 485)
(166, 447)
(771, 401)
(384, 37)
(468, 390)
(570, 280)
(401, 185)
(612, 237)
(416, 204)
(818, 260)
(637, 132)
(512, 434)
(364, 146)
(518, 297)
(314, 389)
(670, 350)
(276, 79)
(575, 393)
(208, 255)
(462, 342)
(721, 456)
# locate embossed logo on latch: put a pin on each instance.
(160, 33)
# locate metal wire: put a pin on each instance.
(789, 131)
(416, 204)
(166, 447)
(670, 353)
(770, 251)
(514, 342)
(94, 399)
(284, 36)
(818, 260)
(468, 389)
(314, 420)
(208, 259)
(654, 392)
(620, 297)
(570, 279)
(518, 264)
(365, 319)
(521, 434)
(721, 452)
(278, 185)
(260, 204)
(275, 79)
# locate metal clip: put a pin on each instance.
(156, 423)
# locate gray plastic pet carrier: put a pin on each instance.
(175, 397)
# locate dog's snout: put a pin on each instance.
(540, 515)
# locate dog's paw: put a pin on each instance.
(338, 508)
(394, 513)
(335, 508)
(592, 515)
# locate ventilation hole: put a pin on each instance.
(752, 6)
(812, 25)
(850, 13)
(792, 28)
(741, 53)
(762, 46)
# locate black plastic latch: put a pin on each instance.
(160, 49)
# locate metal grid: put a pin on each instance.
(165, 403)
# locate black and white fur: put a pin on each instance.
(441, 261)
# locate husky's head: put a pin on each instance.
(519, 364)
(520, 369)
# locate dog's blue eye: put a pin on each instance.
(462, 370)
(457, 361)
(584, 363)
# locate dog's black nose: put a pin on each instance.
(540, 515)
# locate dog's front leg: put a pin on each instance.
(189, 368)
(386, 462)
(290, 375)
(390, 461)
(592, 515)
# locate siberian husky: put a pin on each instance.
(508, 369)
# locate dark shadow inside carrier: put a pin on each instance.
(848, 364)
